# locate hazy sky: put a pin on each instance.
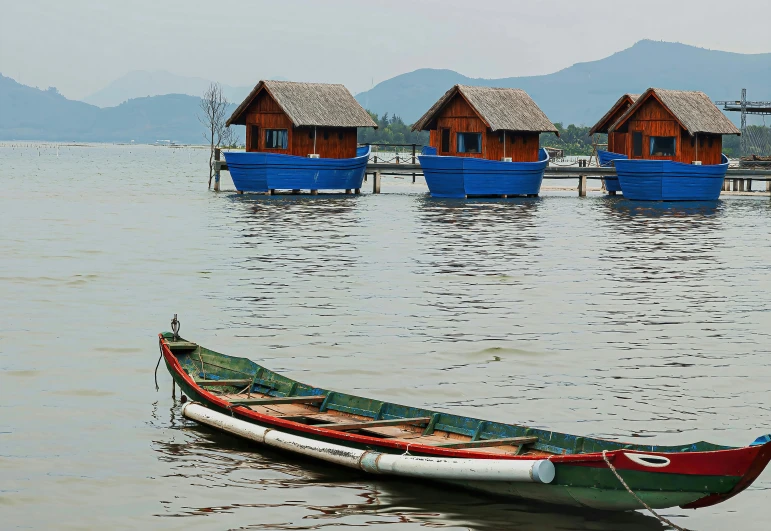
(80, 45)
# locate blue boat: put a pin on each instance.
(462, 177)
(484, 142)
(674, 142)
(606, 159)
(299, 136)
(666, 180)
(263, 172)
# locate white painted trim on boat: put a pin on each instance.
(438, 468)
(652, 461)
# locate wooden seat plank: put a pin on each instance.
(513, 441)
(276, 400)
(346, 426)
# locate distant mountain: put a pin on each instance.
(27, 113)
(140, 83)
(582, 93)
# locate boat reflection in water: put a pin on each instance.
(636, 210)
(250, 481)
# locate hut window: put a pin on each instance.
(445, 140)
(254, 140)
(637, 144)
(469, 142)
(276, 138)
(663, 146)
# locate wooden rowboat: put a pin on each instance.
(239, 396)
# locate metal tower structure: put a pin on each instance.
(746, 107)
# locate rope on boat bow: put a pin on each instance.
(636, 497)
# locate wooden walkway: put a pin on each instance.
(737, 179)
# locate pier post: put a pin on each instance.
(612, 192)
(582, 185)
(768, 185)
(749, 185)
(741, 185)
(357, 191)
(314, 192)
(347, 191)
(216, 169)
(726, 185)
(376, 183)
(270, 192)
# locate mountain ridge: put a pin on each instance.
(583, 92)
(579, 94)
(143, 83)
(28, 113)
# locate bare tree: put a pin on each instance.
(213, 108)
(229, 138)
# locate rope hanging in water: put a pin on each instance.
(636, 497)
(160, 347)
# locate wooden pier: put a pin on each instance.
(737, 179)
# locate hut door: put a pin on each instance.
(637, 144)
(445, 139)
(254, 138)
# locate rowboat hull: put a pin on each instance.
(606, 159)
(665, 180)
(694, 475)
(261, 172)
(459, 177)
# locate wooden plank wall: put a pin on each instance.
(617, 143)
(459, 117)
(330, 142)
(653, 119)
(521, 147)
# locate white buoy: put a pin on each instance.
(529, 470)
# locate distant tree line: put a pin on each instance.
(758, 139)
(573, 139)
(391, 130)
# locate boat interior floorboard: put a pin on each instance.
(306, 411)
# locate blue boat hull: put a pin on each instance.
(665, 180)
(461, 177)
(605, 159)
(261, 172)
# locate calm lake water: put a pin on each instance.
(596, 316)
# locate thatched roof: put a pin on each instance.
(310, 104)
(500, 108)
(694, 110)
(602, 126)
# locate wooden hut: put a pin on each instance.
(486, 123)
(301, 119)
(677, 125)
(617, 140)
